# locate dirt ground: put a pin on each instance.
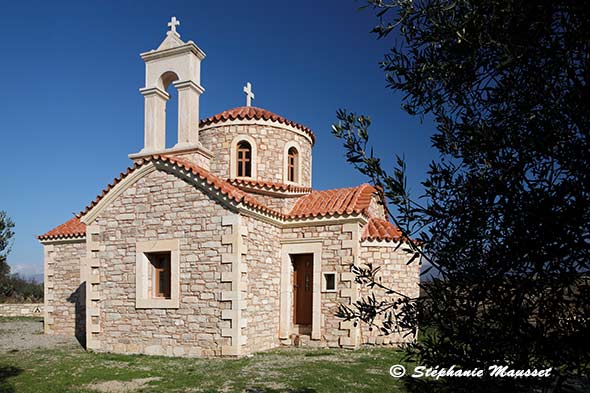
(22, 335)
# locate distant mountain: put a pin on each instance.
(38, 278)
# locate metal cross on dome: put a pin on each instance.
(173, 23)
(249, 94)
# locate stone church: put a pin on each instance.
(219, 245)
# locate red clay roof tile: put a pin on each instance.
(70, 229)
(254, 113)
(318, 203)
(222, 186)
(269, 185)
(378, 229)
(339, 201)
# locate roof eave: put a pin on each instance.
(78, 238)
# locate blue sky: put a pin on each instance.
(71, 111)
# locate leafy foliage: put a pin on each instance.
(6, 234)
(505, 218)
(17, 289)
(14, 288)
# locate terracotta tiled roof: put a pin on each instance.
(253, 113)
(268, 185)
(334, 202)
(342, 201)
(222, 186)
(68, 230)
(378, 229)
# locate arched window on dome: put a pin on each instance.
(244, 159)
(292, 164)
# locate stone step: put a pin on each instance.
(302, 340)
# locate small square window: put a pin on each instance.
(330, 282)
(157, 274)
(160, 274)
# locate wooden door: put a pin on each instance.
(302, 288)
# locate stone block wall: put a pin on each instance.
(376, 208)
(162, 206)
(64, 291)
(263, 285)
(281, 204)
(21, 310)
(394, 273)
(270, 145)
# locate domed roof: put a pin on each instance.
(253, 113)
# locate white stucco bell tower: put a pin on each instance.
(178, 63)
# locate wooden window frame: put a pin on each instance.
(292, 164)
(243, 162)
(145, 274)
(161, 266)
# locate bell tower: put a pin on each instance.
(178, 63)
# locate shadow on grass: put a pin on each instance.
(5, 373)
(468, 385)
(269, 390)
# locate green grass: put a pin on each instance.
(282, 370)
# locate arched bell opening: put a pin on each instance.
(166, 83)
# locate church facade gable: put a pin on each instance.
(163, 208)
